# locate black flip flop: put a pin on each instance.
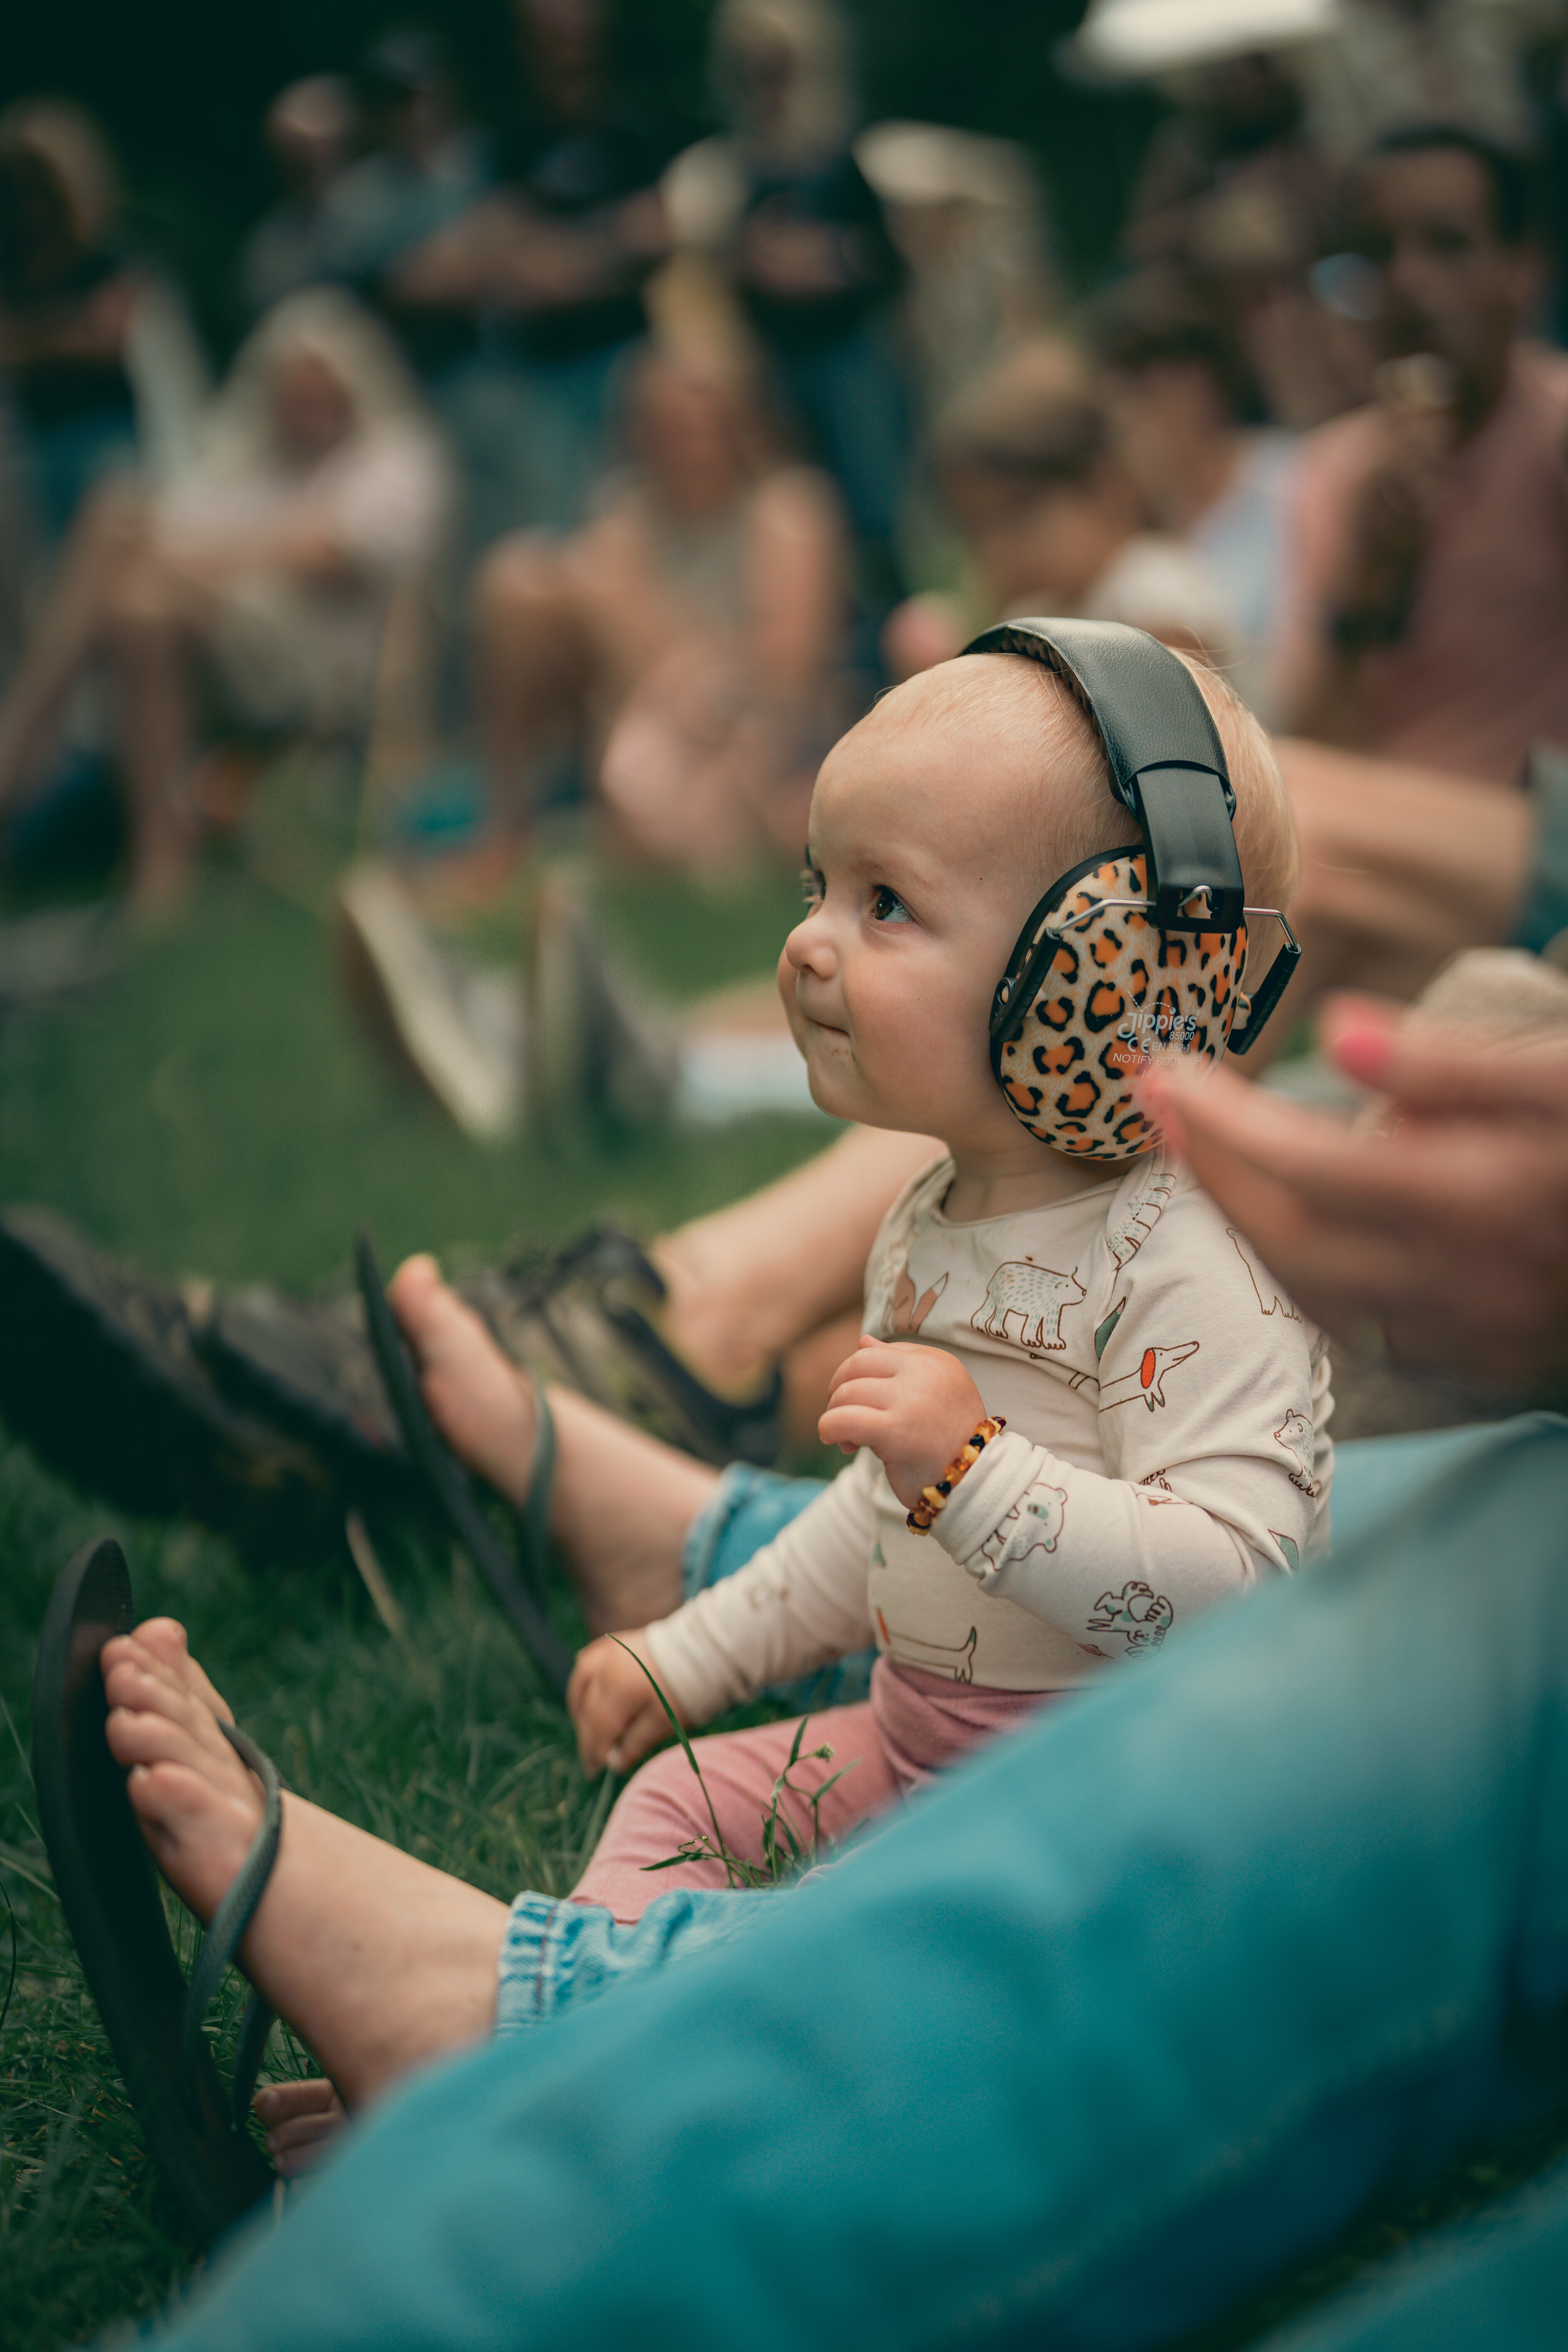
(450, 1485)
(108, 1891)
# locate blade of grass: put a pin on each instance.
(679, 1730)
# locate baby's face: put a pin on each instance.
(919, 886)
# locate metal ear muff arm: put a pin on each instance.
(1273, 986)
(1270, 989)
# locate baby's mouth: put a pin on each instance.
(812, 1017)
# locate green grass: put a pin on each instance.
(216, 1112)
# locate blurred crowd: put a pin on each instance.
(632, 469)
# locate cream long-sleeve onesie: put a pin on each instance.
(1166, 1446)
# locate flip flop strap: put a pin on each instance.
(226, 1931)
(536, 1511)
(255, 2023)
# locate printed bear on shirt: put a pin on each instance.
(1036, 1295)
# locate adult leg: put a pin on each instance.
(1153, 1998)
(379, 1962)
(110, 534)
(757, 1278)
(621, 1503)
(148, 638)
(532, 662)
(641, 1524)
(1501, 2279)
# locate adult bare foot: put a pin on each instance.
(621, 1503)
(301, 2120)
(378, 1961)
(200, 1807)
(483, 1405)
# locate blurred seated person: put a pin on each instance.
(1053, 522)
(970, 221)
(259, 585)
(307, 128)
(1234, 194)
(422, 171)
(1390, 63)
(783, 207)
(1428, 595)
(1183, 408)
(96, 353)
(549, 267)
(685, 642)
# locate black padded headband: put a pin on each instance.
(1166, 761)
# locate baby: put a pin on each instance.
(1082, 1409)
(1128, 1413)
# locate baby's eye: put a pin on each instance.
(886, 907)
(811, 887)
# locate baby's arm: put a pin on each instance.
(797, 1602)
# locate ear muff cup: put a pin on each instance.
(1110, 993)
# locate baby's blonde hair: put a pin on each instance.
(1074, 813)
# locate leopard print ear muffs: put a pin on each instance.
(1114, 992)
(1134, 952)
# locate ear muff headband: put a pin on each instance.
(1179, 902)
(1162, 750)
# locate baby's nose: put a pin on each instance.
(809, 946)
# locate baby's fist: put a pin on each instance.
(614, 1707)
(913, 1406)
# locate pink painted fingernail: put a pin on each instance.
(1365, 1053)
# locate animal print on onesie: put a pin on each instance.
(1166, 1446)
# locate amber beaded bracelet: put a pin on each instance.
(933, 1499)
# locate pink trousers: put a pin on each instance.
(912, 1725)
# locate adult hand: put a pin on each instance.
(614, 1710)
(913, 1407)
(1445, 1228)
(1390, 523)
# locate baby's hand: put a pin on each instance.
(612, 1704)
(912, 1406)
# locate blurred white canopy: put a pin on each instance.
(1142, 37)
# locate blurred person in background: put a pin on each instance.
(785, 210)
(421, 170)
(1234, 194)
(1427, 601)
(686, 640)
(1053, 522)
(970, 221)
(1385, 64)
(969, 218)
(308, 129)
(98, 365)
(257, 587)
(1183, 410)
(547, 271)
